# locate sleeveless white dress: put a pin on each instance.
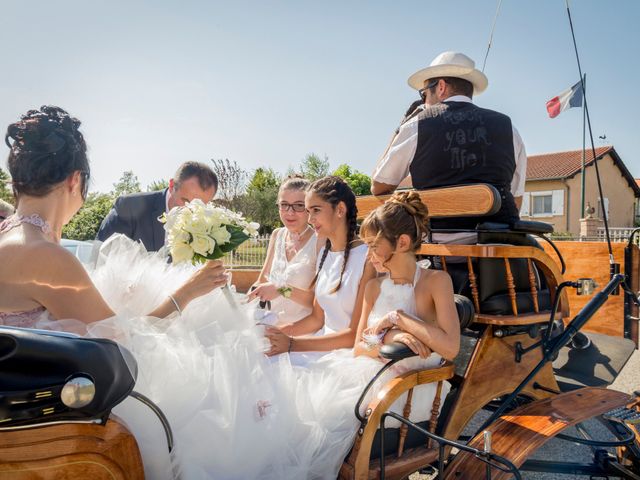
(337, 306)
(235, 414)
(402, 297)
(297, 272)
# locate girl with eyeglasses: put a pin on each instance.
(339, 280)
(287, 273)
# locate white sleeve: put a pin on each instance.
(520, 174)
(393, 167)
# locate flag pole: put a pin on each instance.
(584, 145)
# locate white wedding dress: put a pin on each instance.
(235, 413)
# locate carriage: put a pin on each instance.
(515, 308)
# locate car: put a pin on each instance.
(83, 250)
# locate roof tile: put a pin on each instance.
(559, 164)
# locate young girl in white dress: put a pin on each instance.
(409, 304)
(288, 271)
(340, 279)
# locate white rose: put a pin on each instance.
(181, 252)
(195, 205)
(253, 228)
(212, 218)
(179, 236)
(203, 244)
(221, 235)
(197, 224)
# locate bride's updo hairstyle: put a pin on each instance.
(46, 147)
(403, 213)
(334, 190)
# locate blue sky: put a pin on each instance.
(266, 82)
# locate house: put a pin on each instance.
(553, 189)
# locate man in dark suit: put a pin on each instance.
(136, 215)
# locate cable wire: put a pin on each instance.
(493, 27)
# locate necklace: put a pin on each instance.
(34, 219)
(293, 243)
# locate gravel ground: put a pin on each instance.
(628, 381)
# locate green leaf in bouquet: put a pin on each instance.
(238, 237)
(197, 258)
(217, 253)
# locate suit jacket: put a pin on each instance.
(136, 216)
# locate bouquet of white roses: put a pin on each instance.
(198, 232)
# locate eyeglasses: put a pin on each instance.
(430, 85)
(296, 207)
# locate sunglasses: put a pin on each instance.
(85, 184)
(296, 207)
(429, 86)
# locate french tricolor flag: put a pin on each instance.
(567, 99)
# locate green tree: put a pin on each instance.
(157, 185)
(85, 224)
(358, 181)
(263, 179)
(128, 183)
(314, 167)
(259, 201)
(5, 191)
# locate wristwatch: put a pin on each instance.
(285, 291)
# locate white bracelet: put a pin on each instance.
(393, 317)
(176, 304)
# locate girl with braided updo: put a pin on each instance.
(410, 304)
(341, 274)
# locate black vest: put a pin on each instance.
(460, 143)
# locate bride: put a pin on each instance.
(235, 413)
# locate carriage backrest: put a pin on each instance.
(475, 200)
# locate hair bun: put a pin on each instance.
(412, 202)
(46, 131)
(46, 147)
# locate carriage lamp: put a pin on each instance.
(585, 286)
(78, 392)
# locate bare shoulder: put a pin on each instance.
(432, 280)
(49, 260)
(372, 288)
(276, 232)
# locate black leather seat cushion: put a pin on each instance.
(500, 304)
(523, 226)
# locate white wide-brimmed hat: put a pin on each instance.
(451, 64)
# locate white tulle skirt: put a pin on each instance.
(235, 413)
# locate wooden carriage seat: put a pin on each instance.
(396, 437)
(405, 450)
(492, 369)
(71, 451)
(492, 276)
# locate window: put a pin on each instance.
(549, 203)
(542, 205)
